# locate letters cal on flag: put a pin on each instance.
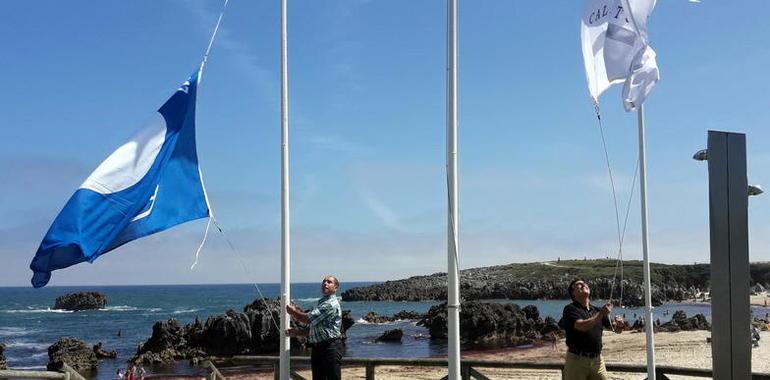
(616, 49)
(147, 185)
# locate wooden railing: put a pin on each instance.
(468, 368)
(65, 373)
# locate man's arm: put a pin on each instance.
(298, 314)
(584, 325)
(297, 332)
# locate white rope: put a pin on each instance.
(205, 235)
(211, 41)
(455, 243)
(200, 173)
(621, 232)
(248, 274)
(211, 213)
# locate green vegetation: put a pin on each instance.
(684, 275)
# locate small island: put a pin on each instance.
(81, 301)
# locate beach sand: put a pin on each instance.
(761, 299)
(683, 349)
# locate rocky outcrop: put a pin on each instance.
(680, 322)
(73, 352)
(530, 281)
(101, 353)
(81, 301)
(492, 324)
(251, 332)
(407, 315)
(372, 317)
(3, 363)
(434, 288)
(391, 336)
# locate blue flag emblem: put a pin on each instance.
(147, 185)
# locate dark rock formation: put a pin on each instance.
(372, 317)
(391, 336)
(3, 364)
(530, 281)
(551, 326)
(491, 324)
(81, 301)
(347, 322)
(407, 315)
(680, 322)
(251, 332)
(102, 354)
(73, 352)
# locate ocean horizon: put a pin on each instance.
(29, 324)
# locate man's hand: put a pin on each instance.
(606, 309)
(296, 332)
(297, 313)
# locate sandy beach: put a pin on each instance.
(684, 349)
(761, 299)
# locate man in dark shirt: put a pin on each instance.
(583, 324)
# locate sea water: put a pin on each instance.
(28, 325)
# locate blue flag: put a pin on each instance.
(147, 185)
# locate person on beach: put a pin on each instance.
(324, 331)
(583, 324)
(118, 375)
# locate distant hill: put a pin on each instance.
(549, 280)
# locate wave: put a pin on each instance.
(130, 308)
(30, 368)
(38, 355)
(46, 310)
(28, 345)
(314, 299)
(119, 308)
(365, 322)
(185, 311)
(14, 331)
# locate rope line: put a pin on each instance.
(211, 41)
(211, 214)
(248, 273)
(621, 232)
(455, 237)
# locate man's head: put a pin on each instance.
(329, 285)
(578, 290)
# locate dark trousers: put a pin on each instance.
(326, 360)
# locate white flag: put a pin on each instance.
(616, 50)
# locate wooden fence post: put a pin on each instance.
(465, 371)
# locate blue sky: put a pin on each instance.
(367, 119)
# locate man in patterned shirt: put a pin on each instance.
(324, 331)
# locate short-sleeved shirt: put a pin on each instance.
(589, 341)
(325, 320)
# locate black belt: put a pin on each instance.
(585, 354)
(323, 342)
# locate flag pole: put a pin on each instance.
(285, 230)
(453, 293)
(648, 325)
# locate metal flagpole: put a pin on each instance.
(453, 293)
(648, 325)
(285, 241)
